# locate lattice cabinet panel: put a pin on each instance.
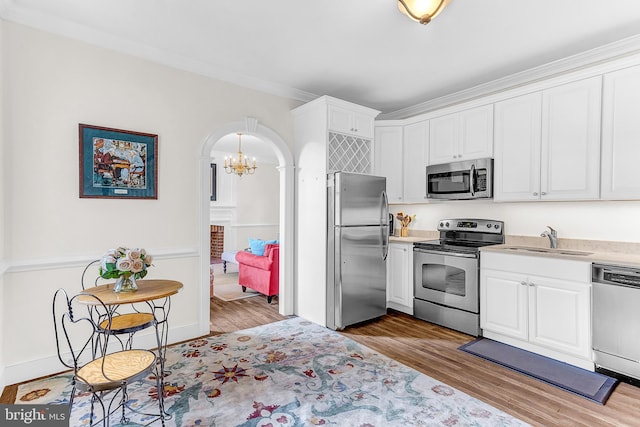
(349, 154)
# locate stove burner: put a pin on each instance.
(456, 235)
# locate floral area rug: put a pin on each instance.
(288, 373)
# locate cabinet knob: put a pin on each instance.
(544, 193)
(523, 283)
(535, 194)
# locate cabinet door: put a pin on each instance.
(476, 133)
(362, 125)
(559, 315)
(517, 148)
(416, 158)
(340, 120)
(503, 303)
(346, 121)
(571, 141)
(400, 277)
(443, 139)
(388, 159)
(621, 134)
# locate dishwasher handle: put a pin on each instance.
(615, 275)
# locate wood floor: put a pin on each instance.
(433, 350)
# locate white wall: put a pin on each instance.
(598, 220)
(258, 198)
(50, 85)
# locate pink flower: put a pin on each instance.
(133, 254)
(123, 264)
(137, 266)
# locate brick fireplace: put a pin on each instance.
(217, 241)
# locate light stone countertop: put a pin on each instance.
(414, 236)
(600, 251)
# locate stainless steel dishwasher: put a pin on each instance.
(616, 318)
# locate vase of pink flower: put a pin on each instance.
(125, 265)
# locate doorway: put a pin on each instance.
(250, 126)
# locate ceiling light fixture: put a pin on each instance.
(239, 166)
(422, 11)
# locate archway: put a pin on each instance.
(250, 126)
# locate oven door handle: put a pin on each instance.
(436, 252)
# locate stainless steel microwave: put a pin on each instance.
(470, 179)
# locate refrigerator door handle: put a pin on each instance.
(384, 220)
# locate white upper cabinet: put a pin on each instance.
(621, 134)
(416, 158)
(570, 168)
(401, 155)
(548, 144)
(388, 159)
(463, 135)
(351, 122)
(517, 145)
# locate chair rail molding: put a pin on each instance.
(41, 264)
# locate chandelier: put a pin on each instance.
(422, 11)
(239, 166)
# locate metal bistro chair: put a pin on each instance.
(122, 324)
(96, 370)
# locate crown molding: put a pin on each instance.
(9, 11)
(606, 53)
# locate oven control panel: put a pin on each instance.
(473, 225)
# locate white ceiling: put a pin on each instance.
(362, 51)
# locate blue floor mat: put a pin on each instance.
(591, 385)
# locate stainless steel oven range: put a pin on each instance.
(446, 273)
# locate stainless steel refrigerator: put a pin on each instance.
(357, 247)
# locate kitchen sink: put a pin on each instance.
(549, 251)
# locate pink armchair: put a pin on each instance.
(260, 273)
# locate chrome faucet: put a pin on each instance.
(552, 235)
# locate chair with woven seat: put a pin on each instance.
(96, 370)
(121, 324)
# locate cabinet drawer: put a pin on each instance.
(544, 266)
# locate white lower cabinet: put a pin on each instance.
(400, 277)
(539, 304)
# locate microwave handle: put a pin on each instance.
(472, 180)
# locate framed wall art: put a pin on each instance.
(116, 163)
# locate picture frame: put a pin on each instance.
(214, 181)
(117, 163)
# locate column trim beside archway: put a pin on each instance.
(251, 126)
